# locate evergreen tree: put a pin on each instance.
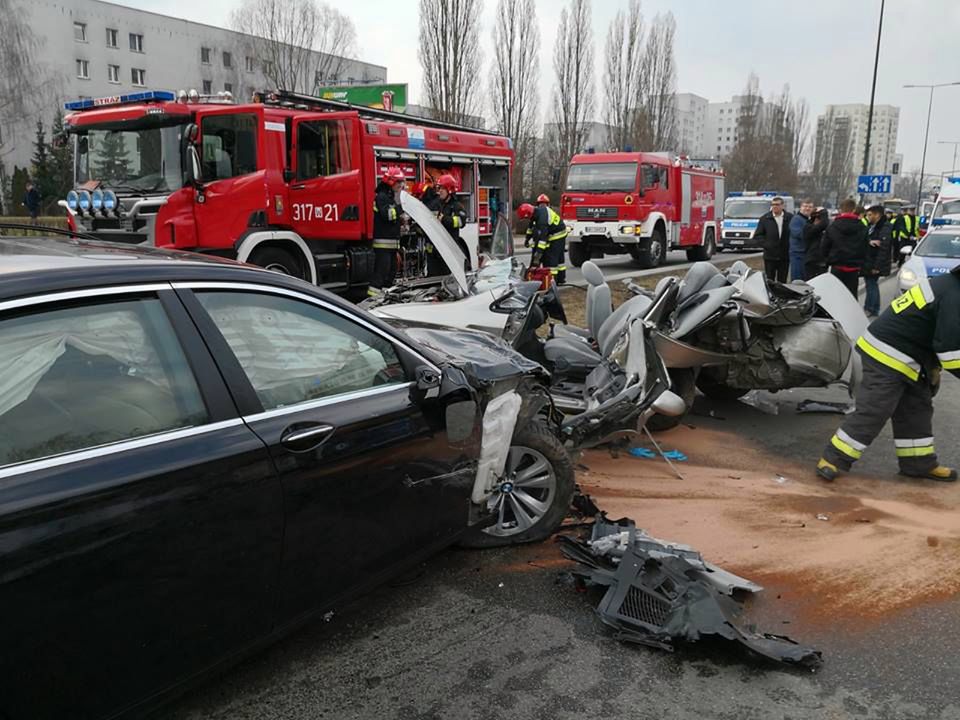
(112, 162)
(18, 188)
(40, 167)
(61, 158)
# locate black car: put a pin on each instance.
(196, 456)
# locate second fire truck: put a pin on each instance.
(286, 181)
(643, 204)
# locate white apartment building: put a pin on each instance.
(720, 135)
(852, 118)
(91, 48)
(692, 115)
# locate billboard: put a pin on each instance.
(383, 97)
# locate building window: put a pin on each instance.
(80, 32)
(207, 87)
(83, 69)
(228, 87)
(249, 64)
(227, 60)
(113, 73)
(138, 76)
(136, 42)
(205, 55)
(113, 37)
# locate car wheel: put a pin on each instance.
(535, 494)
(684, 383)
(653, 255)
(715, 389)
(277, 260)
(579, 254)
(705, 251)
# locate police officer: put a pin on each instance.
(903, 351)
(547, 235)
(386, 229)
(904, 232)
(453, 217)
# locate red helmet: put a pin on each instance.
(525, 211)
(447, 182)
(393, 175)
(543, 198)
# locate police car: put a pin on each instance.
(937, 253)
(741, 215)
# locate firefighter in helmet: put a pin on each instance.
(547, 235)
(453, 217)
(904, 352)
(386, 228)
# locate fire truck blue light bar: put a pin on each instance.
(147, 96)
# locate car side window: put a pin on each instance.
(293, 351)
(85, 375)
(323, 149)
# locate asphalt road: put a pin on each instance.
(493, 634)
(617, 267)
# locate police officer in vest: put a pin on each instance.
(903, 351)
(386, 229)
(453, 217)
(547, 235)
(904, 232)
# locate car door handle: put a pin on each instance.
(305, 439)
(298, 187)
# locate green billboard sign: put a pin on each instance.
(383, 97)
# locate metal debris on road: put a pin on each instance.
(819, 406)
(823, 516)
(660, 594)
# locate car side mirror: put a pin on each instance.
(906, 250)
(427, 378)
(288, 175)
(83, 145)
(194, 172)
(670, 404)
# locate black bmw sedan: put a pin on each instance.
(197, 456)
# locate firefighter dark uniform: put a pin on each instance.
(386, 237)
(452, 217)
(903, 353)
(547, 235)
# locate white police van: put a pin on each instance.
(741, 215)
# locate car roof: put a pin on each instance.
(38, 265)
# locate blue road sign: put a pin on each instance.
(874, 184)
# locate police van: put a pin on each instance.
(741, 215)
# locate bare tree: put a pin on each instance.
(655, 122)
(573, 94)
(450, 56)
(623, 74)
(515, 80)
(302, 43)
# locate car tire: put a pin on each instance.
(717, 390)
(552, 485)
(683, 381)
(278, 260)
(654, 254)
(705, 251)
(579, 254)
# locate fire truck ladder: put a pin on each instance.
(297, 101)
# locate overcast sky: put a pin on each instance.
(823, 48)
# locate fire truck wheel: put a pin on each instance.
(653, 255)
(705, 251)
(579, 254)
(278, 260)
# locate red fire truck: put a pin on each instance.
(642, 204)
(286, 181)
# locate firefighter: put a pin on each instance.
(386, 229)
(452, 216)
(903, 351)
(904, 232)
(547, 235)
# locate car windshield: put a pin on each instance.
(136, 160)
(746, 208)
(948, 207)
(945, 245)
(603, 177)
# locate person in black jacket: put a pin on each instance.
(904, 352)
(773, 235)
(386, 229)
(813, 238)
(844, 246)
(877, 263)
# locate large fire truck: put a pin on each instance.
(643, 204)
(286, 181)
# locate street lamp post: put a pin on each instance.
(926, 134)
(956, 144)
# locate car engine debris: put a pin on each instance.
(661, 594)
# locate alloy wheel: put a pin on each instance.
(525, 494)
